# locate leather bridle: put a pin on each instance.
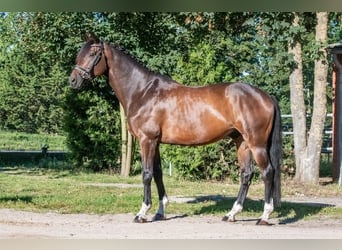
(87, 73)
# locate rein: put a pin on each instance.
(87, 73)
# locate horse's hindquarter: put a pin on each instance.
(253, 111)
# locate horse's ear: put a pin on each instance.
(91, 37)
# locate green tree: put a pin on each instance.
(31, 79)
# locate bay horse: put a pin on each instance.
(160, 110)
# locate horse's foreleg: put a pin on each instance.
(147, 200)
(246, 166)
(148, 148)
(158, 178)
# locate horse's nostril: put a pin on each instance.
(72, 80)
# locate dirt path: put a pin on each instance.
(19, 224)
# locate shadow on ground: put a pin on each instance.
(17, 198)
(289, 212)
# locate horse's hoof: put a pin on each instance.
(158, 217)
(261, 222)
(139, 219)
(228, 218)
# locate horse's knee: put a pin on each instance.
(246, 177)
(147, 177)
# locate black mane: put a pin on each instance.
(133, 58)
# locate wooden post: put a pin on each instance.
(336, 51)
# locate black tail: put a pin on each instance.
(276, 153)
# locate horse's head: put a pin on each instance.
(90, 62)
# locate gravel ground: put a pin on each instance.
(28, 225)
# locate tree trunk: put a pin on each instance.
(308, 149)
(123, 141)
(126, 145)
(297, 102)
(315, 138)
(129, 154)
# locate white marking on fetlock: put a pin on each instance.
(143, 210)
(268, 209)
(162, 205)
(237, 208)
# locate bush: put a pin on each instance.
(215, 161)
(30, 98)
(92, 124)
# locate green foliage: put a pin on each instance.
(202, 67)
(215, 161)
(93, 124)
(39, 50)
(31, 102)
(32, 80)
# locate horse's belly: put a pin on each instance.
(194, 134)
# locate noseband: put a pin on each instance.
(87, 73)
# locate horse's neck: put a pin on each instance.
(125, 82)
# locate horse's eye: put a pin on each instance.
(92, 53)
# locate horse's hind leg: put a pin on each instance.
(267, 172)
(158, 178)
(246, 168)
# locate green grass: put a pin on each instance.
(66, 191)
(25, 141)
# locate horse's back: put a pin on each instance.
(243, 90)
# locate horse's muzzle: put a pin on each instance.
(76, 81)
